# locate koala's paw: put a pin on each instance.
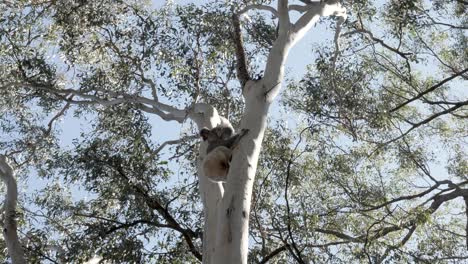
(204, 133)
(244, 131)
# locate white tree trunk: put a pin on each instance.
(15, 251)
(211, 192)
(233, 212)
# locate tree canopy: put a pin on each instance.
(364, 158)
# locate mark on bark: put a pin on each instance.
(229, 212)
(244, 214)
(231, 208)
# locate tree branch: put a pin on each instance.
(259, 7)
(440, 199)
(400, 244)
(340, 235)
(273, 254)
(339, 24)
(57, 116)
(154, 204)
(406, 197)
(437, 202)
(283, 18)
(173, 142)
(300, 8)
(164, 111)
(421, 94)
(295, 251)
(241, 60)
(132, 224)
(425, 121)
(313, 13)
(289, 34)
(186, 233)
(371, 36)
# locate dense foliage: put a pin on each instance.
(368, 165)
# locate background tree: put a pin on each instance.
(368, 165)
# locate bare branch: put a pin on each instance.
(273, 254)
(289, 34)
(58, 115)
(173, 142)
(339, 23)
(259, 7)
(300, 8)
(371, 36)
(434, 87)
(274, 69)
(427, 120)
(164, 111)
(315, 10)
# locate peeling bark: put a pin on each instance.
(241, 67)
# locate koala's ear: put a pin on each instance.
(204, 133)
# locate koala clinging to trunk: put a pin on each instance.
(221, 142)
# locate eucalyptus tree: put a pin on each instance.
(352, 180)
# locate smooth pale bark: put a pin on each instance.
(233, 212)
(211, 192)
(15, 250)
(234, 209)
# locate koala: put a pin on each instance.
(221, 141)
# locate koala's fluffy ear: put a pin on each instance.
(204, 133)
